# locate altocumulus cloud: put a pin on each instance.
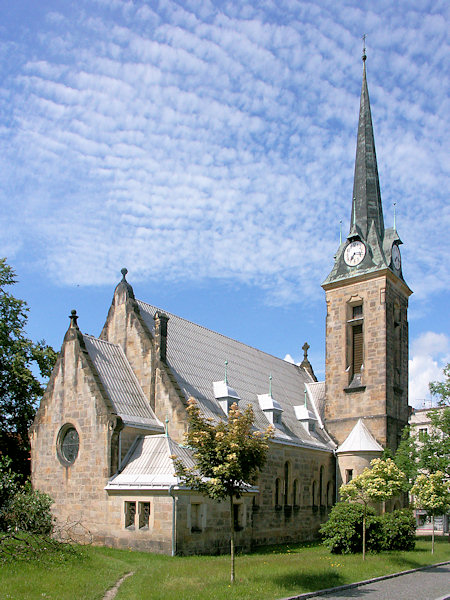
(202, 139)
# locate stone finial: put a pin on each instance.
(123, 290)
(73, 319)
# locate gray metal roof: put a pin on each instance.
(360, 440)
(121, 385)
(148, 464)
(196, 357)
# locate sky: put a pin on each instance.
(209, 147)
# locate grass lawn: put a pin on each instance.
(271, 573)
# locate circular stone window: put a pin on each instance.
(69, 444)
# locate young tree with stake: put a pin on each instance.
(228, 456)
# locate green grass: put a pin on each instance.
(270, 573)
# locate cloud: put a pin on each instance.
(430, 353)
(192, 142)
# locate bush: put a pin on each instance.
(399, 530)
(8, 487)
(29, 510)
(342, 533)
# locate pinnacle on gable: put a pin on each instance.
(123, 289)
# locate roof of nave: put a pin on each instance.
(121, 385)
(196, 356)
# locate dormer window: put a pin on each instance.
(271, 408)
(225, 395)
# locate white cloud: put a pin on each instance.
(430, 353)
(205, 143)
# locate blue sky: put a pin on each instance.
(209, 148)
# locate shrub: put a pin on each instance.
(342, 533)
(8, 487)
(29, 510)
(399, 530)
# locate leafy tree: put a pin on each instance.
(20, 390)
(441, 389)
(342, 533)
(432, 493)
(406, 457)
(228, 456)
(434, 448)
(377, 484)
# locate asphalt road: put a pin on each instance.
(432, 583)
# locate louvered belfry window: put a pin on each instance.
(357, 332)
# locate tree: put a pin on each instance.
(406, 457)
(20, 389)
(432, 493)
(441, 389)
(377, 484)
(228, 457)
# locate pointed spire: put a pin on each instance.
(366, 206)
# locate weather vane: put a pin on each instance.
(364, 56)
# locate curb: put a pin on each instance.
(350, 586)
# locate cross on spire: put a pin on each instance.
(305, 349)
(364, 56)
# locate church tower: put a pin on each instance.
(366, 371)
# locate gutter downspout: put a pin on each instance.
(336, 475)
(174, 549)
(119, 462)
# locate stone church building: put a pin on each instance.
(101, 447)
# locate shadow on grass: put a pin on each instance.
(302, 582)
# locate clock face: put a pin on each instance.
(354, 253)
(396, 258)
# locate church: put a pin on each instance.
(101, 441)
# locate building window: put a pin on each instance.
(355, 342)
(348, 475)
(144, 515)
(423, 434)
(286, 483)
(130, 515)
(295, 500)
(237, 517)
(314, 494)
(321, 486)
(196, 517)
(278, 492)
(397, 344)
(330, 490)
(68, 444)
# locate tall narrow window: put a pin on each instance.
(286, 483)
(237, 517)
(130, 514)
(321, 487)
(144, 515)
(355, 342)
(277, 492)
(295, 500)
(314, 494)
(348, 475)
(196, 523)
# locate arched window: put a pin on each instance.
(330, 493)
(286, 482)
(314, 494)
(321, 502)
(295, 499)
(277, 491)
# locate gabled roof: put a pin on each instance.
(121, 385)
(148, 464)
(196, 357)
(359, 440)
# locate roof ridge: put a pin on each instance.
(227, 337)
